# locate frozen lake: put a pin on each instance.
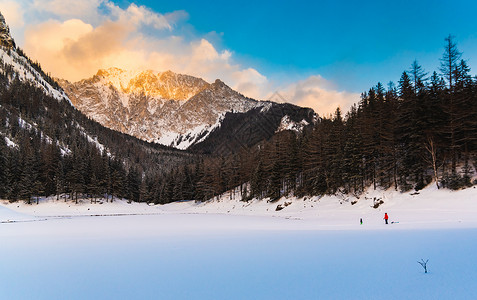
(215, 256)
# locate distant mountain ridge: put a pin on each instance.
(163, 85)
(163, 107)
(167, 108)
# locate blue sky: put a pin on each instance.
(319, 54)
(353, 43)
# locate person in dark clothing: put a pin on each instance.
(361, 221)
(386, 217)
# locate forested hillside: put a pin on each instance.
(47, 147)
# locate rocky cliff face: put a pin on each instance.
(5, 38)
(167, 108)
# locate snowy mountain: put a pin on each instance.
(167, 108)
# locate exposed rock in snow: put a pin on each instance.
(5, 37)
(288, 124)
(10, 143)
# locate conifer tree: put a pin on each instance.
(257, 184)
(133, 185)
(3, 166)
(449, 63)
(449, 60)
(13, 175)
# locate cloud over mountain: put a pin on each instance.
(73, 39)
(319, 94)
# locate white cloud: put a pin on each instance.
(318, 93)
(64, 9)
(141, 15)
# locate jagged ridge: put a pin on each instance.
(6, 39)
(167, 108)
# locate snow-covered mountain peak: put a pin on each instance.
(163, 107)
(165, 85)
(168, 73)
(219, 83)
(109, 72)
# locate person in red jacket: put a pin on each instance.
(386, 217)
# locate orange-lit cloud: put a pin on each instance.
(74, 49)
(12, 11)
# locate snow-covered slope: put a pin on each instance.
(16, 65)
(25, 72)
(167, 108)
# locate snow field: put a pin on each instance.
(227, 249)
